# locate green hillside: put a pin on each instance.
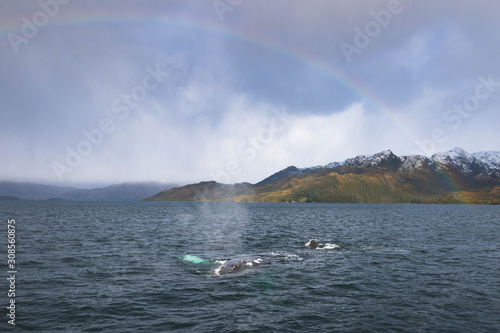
(349, 185)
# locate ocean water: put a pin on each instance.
(119, 267)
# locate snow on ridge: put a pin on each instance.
(311, 168)
(360, 161)
(328, 166)
(490, 158)
(367, 160)
(456, 156)
(412, 162)
(334, 164)
(485, 162)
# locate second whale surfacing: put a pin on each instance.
(237, 265)
(313, 244)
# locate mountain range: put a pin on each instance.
(454, 176)
(131, 191)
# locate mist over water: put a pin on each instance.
(119, 267)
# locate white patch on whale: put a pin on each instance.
(237, 265)
(330, 246)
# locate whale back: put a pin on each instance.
(237, 265)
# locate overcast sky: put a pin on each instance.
(100, 92)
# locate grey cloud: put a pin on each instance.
(277, 53)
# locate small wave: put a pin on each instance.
(288, 256)
(390, 251)
(330, 246)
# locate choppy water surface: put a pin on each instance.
(121, 268)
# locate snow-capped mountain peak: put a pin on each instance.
(478, 165)
(485, 163)
(490, 158)
(461, 160)
(412, 162)
(452, 155)
(363, 161)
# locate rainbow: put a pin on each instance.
(103, 21)
(86, 20)
(446, 179)
(97, 19)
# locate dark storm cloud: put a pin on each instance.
(353, 76)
